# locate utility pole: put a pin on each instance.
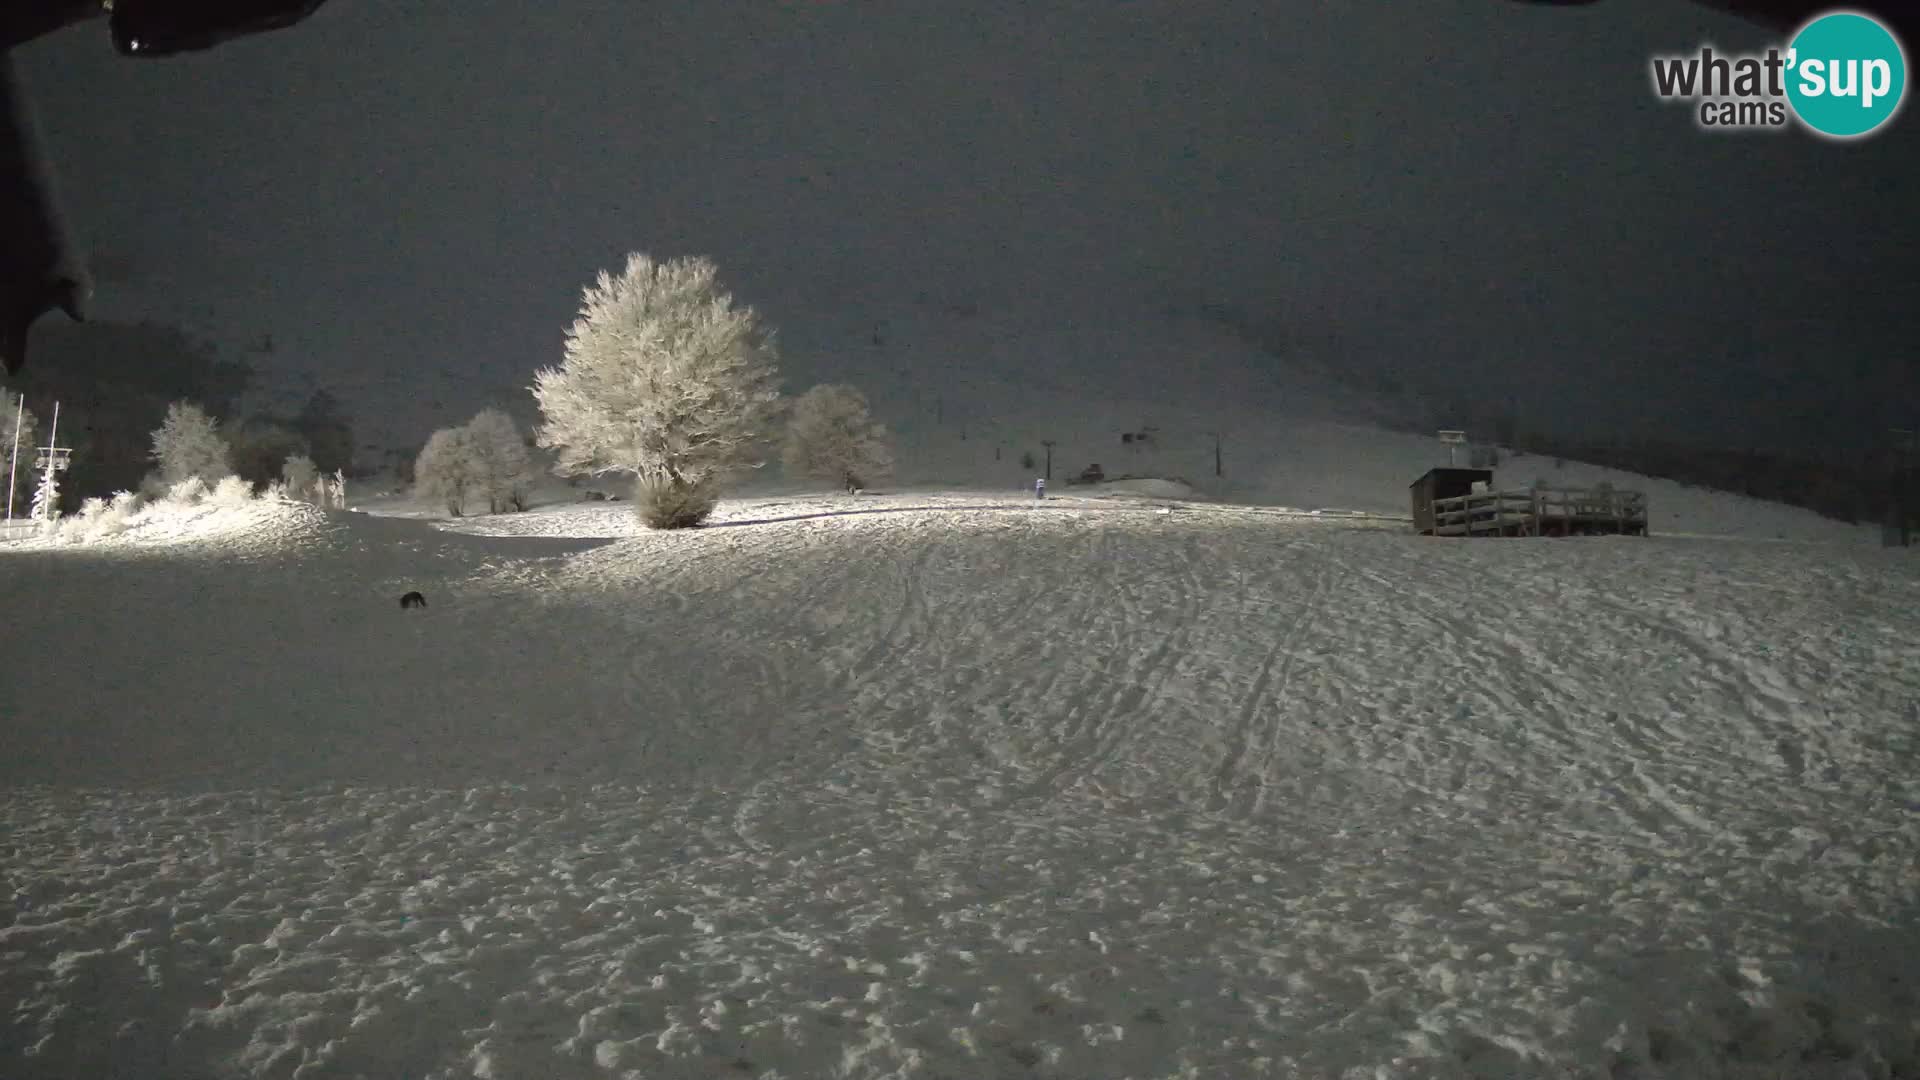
(1048, 443)
(13, 465)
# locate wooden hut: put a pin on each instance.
(1443, 483)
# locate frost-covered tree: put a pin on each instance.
(665, 378)
(259, 448)
(322, 421)
(46, 497)
(299, 476)
(13, 419)
(501, 467)
(188, 443)
(444, 469)
(830, 436)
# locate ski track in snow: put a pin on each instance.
(949, 786)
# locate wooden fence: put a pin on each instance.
(1542, 512)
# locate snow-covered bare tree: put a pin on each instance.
(500, 463)
(444, 469)
(830, 436)
(298, 476)
(665, 378)
(22, 470)
(188, 443)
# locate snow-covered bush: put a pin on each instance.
(188, 443)
(663, 504)
(299, 478)
(445, 469)
(187, 492)
(830, 436)
(99, 519)
(231, 492)
(501, 468)
(83, 526)
(663, 378)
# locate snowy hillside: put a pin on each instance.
(1275, 446)
(1287, 461)
(955, 786)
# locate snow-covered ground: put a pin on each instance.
(938, 784)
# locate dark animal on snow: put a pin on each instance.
(412, 599)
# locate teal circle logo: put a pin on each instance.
(1846, 74)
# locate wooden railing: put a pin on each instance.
(1482, 511)
(1531, 511)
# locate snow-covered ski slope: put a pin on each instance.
(947, 785)
(1285, 460)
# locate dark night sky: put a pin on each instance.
(409, 196)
